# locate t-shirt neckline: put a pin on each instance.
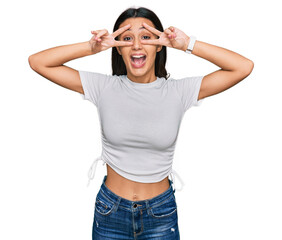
(142, 85)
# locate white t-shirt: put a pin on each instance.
(140, 121)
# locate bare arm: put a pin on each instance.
(234, 68)
(49, 64)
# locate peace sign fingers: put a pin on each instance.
(152, 42)
(171, 37)
(153, 30)
(117, 33)
(162, 37)
(121, 30)
(122, 44)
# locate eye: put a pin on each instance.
(126, 38)
(147, 37)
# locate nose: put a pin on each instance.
(137, 44)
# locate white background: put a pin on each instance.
(50, 136)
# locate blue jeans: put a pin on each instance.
(119, 218)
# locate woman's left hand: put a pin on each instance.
(171, 37)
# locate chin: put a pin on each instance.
(138, 72)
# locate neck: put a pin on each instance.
(142, 79)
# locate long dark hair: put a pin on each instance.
(118, 65)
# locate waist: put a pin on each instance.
(131, 190)
(134, 204)
(172, 173)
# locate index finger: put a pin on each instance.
(121, 30)
(151, 29)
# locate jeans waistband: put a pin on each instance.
(141, 204)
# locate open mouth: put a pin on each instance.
(138, 61)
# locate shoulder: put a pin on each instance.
(186, 81)
(92, 74)
(98, 78)
(183, 79)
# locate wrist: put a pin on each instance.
(88, 48)
(191, 43)
(186, 44)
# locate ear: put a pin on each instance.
(118, 50)
(159, 48)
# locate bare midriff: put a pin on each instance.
(131, 190)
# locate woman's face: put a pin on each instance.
(138, 67)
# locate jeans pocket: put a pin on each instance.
(103, 205)
(165, 208)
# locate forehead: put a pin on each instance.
(136, 23)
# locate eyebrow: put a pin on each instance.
(139, 29)
(131, 30)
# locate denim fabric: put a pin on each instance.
(119, 218)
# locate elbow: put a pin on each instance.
(251, 66)
(247, 67)
(32, 62)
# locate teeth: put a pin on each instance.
(138, 56)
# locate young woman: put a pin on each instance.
(140, 110)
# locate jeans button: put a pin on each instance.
(135, 205)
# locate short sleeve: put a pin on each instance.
(93, 85)
(188, 89)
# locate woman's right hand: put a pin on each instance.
(102, 40)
